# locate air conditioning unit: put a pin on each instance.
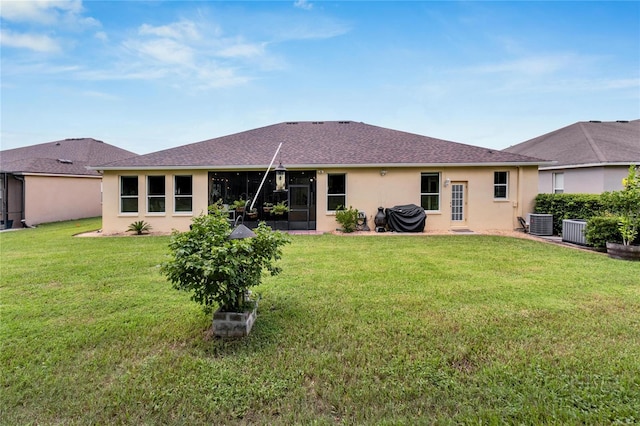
(573, 231)
(541, 224)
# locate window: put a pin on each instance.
(430, 191)
(558, 183)
(155, 194)
(500, 188)
(128, 194)
(336, 191)
(183, 199)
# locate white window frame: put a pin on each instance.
(177, 195)
(156, 196)
(344, 175)
(500, 185)
(558, 189)
(431, 193)
(123, 196)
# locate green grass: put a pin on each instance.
(357, 330)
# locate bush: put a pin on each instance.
(626, 204)
(602, 229)
(348, 218)
(139, 227)
(218, 270)
(569, 206)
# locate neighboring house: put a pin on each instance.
(329, 164)
(51, 182)
(590, 157)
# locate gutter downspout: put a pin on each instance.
(520, 198)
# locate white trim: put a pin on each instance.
(325, 166)
(52, 175)
(587, 165)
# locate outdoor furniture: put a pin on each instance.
(524, 224)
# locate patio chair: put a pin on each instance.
(524, 224)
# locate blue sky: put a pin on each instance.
(151, 75)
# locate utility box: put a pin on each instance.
(573, 231)
(541, 224)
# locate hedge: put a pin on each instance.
(569, 206)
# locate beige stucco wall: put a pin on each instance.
(114, 222)
(367, 190)
(56, 198)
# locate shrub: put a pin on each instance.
(139, 227)
(217, 270)
(348, 218)
(569, 206)
(626, 204)
(602, 229)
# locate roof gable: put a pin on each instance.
(590, 142)
(68, 156)
(315, 144)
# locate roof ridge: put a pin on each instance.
(592, 143)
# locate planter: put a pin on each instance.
(234, 324)
(620, 251)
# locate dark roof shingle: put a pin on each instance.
(313, 144)
(64, 157)
(586, 143)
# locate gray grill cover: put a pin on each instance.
(408, 218)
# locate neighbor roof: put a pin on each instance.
(320, 144)
(587, 143)
(64, 157)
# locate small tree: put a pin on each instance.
(626, 204)
(217, 270)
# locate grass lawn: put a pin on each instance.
(462, 329)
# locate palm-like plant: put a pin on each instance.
(139, 227)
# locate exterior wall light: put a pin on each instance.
(281, 179)
(447, 181)
(383, 172)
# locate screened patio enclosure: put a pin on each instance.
(300, 197)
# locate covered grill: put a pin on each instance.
(407, 218)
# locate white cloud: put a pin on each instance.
(47, 13)
(101, 95)
(35, 42)
(40, 11)
(164, 50)
(183, 30)
(533, 65)
(101, 35)
(241, 49)
(303, 4)
(216, 77)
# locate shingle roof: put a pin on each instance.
(315, 144)
(586, 143)
(64, 157)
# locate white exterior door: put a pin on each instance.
(458, 204)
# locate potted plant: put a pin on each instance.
(280, 208)
(626, 205)
(219, 272)
(267, 207)
(253, 214)
(239, 205)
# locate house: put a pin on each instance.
(50, 182)
(590, 157)
(328, 165)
